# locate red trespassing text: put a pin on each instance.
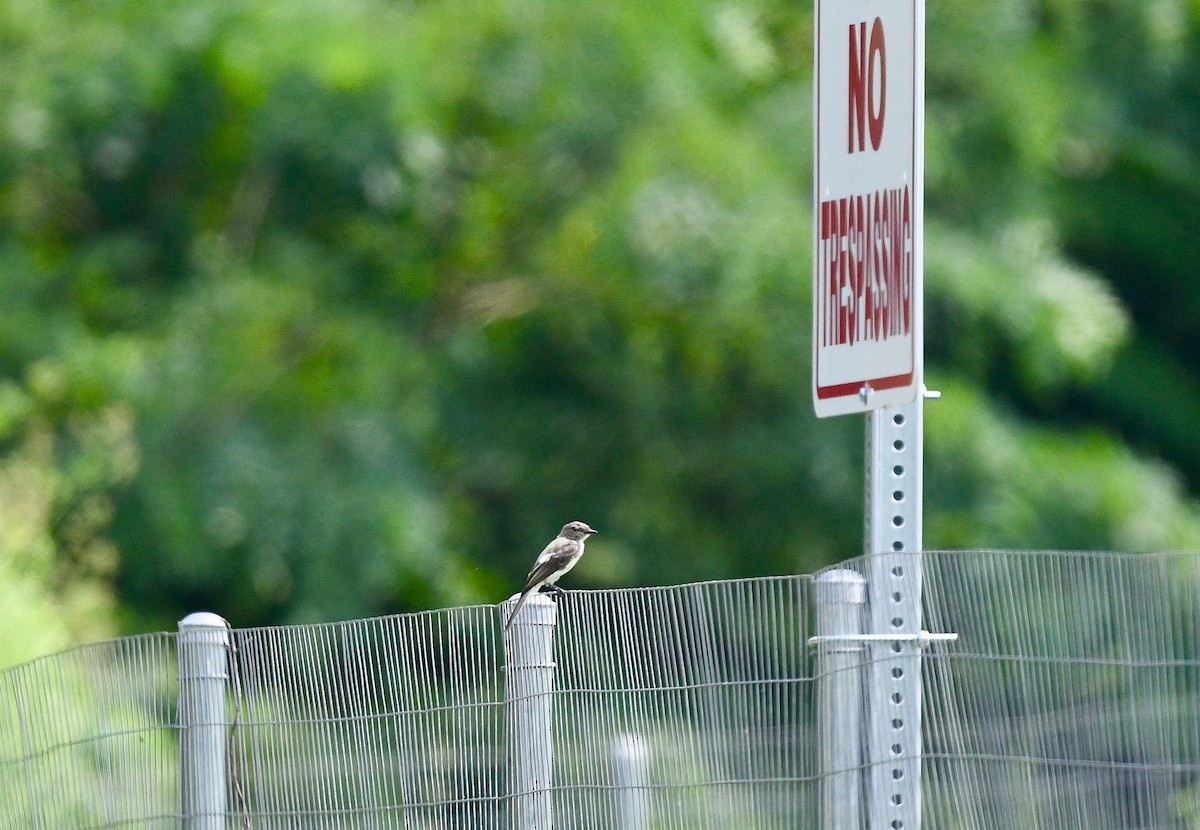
(865, 267)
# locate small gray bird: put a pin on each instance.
(555, 560)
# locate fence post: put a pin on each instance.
(839, 596)
(528, 684)
(631, 765)
(202, 649)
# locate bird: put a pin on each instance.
(556, 559)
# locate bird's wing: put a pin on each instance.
(554, 558)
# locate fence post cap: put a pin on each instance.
(203, 619)
(840, 585)
(629, 747)
(539, 609)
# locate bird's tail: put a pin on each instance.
(521, 601)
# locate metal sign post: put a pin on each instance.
(868, 176)
(893, 545)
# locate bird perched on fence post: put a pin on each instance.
(556, 559)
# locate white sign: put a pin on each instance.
(868, 203)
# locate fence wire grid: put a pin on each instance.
(1069, 700)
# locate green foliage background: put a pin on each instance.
(311, 310)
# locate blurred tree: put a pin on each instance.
(385, 292)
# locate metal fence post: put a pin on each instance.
(839, 596)
(528, 684)
(203, 647)
(631, 765)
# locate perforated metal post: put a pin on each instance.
(203, 646)
(528, 688)
(839, 596)
(893, 533)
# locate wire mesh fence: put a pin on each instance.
(708, 687)
(389, 722)
(1069, 700)
(87, 738)
(1072, 697)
